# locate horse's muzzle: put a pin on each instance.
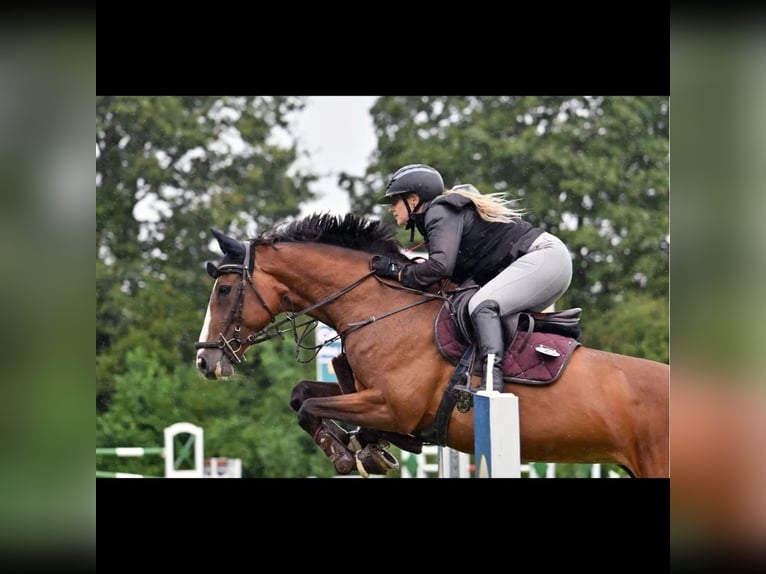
(213, 370)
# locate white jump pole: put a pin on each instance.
(496, 432)
(453, 463)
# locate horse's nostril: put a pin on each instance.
(201, 364)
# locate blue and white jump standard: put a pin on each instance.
(496, 432)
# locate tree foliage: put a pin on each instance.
(167, 170)
(245, 417)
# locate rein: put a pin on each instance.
(351, 326)
(272, 330)
(426, 297)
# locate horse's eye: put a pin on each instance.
(224, 289)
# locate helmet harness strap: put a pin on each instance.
(410, 219)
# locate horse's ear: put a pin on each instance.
(212, 270)
(220, 237)
(228, 245)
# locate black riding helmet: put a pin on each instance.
(415, 178)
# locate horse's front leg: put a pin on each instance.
(307, 389)
(331, 438)
(356, 408)
(365, 436)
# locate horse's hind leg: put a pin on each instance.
(652, 465)
(649, 456)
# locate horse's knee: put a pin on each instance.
(308, 389)
(299, 394)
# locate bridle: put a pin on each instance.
(234, 344)
(227, 345)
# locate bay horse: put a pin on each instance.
(604, 407)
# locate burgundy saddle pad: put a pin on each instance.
(535, 360)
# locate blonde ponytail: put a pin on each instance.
(492, 207)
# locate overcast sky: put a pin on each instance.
(337, 132)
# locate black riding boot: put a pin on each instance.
(488, 331)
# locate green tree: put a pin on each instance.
(245, 417)
(167, 170)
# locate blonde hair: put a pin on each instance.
(492, 207)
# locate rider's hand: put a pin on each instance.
(385, 267)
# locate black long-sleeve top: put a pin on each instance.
(462, 245)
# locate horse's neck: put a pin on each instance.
(312, 273)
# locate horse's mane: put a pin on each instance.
(350, 231)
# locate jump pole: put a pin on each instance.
(195, 440)
(453, 463)
(496, 432)
(106, 474)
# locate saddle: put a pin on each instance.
(539, 344)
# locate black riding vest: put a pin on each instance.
(462, 245)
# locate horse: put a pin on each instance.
(603, 408)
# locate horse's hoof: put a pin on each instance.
(375, 459)
(341, 458)
(344, 464)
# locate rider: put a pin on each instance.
(469, 235)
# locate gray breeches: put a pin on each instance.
(531, 283)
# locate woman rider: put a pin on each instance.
(519, 267)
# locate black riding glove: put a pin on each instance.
(385, 267)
